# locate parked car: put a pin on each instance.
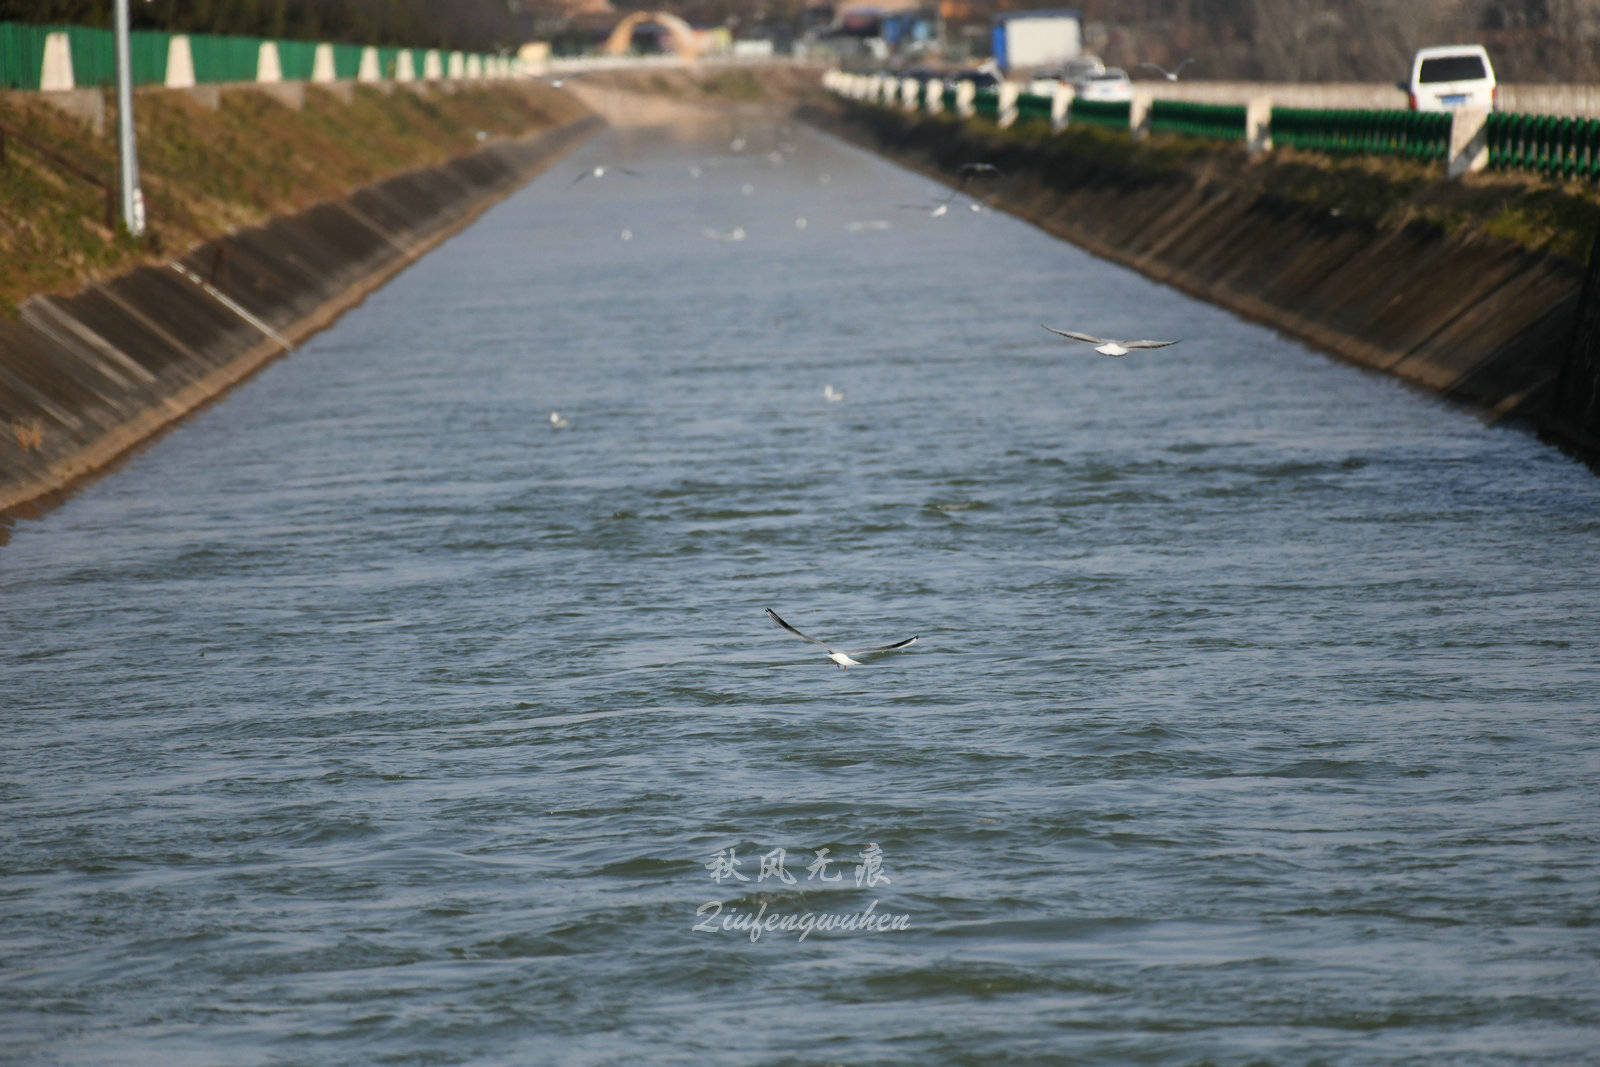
(1044, 82)
(1110, 85)
(980, 79)
(1446, 77)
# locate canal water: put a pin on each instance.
(370, 717)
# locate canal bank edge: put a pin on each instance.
(1480, 321)
(93, 375)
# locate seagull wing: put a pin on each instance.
(585, 174)
(1153, 66)
(1087, 338)
(870, 653)
(1185, 63)
(1147, 344)
(797, 633)
(625, 170)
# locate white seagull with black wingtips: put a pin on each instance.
(853, 658)
(1106, 346)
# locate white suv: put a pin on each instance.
(1451, 76)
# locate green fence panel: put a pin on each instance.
(94, 61)
(347, 61)
(21, 55)
(949, 99)
(1220, 122)
(1110, 114)
(1034, 107)
(297, 59)
(986, 102)
(219, 58)
(1351, 131)
(388, 62)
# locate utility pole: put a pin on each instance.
(127, 150)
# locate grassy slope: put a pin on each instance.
(1539, 215)
(207, 171)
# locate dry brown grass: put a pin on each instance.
(206, 171)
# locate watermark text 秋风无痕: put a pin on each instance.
(715, 917)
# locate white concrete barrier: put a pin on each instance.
(1258, 125)
(55, 74)
(269, 70)
(322, 67)
(180, 63)
(1469, 141)
(1061, 106)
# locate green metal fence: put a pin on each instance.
(347, 61)
(21, 55)
(1111, 114)
(1552, 146)
(986, 102)
(1218, 122)
(1034, 107)
(948, 98)
(220, 58)
(216, 58)
(297, 59)
(1346, 131)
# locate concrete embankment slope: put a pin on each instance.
(1480, 320)
(83, 378)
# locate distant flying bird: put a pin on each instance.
(601, 171)
(843, 659)
(937, 211)
(1170, 75)
(832, 395)
(1105, 345)
(735, 234)
(558, 421)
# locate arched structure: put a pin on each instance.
(680, 35)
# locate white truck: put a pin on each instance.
(1024, 40)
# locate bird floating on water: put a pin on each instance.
(1170, 75)
(601, 171)
(938, 211)
(968, 171)
(1107, 346)
(832, 395)
(853, 658)
(559, 421)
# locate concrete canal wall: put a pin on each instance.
(84, 378)
(1478, 320)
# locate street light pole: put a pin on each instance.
(127, 150)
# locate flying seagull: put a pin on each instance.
(1170, 75)
(601, 171)
(832, 395)
(843, 659)
(1105, 345)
